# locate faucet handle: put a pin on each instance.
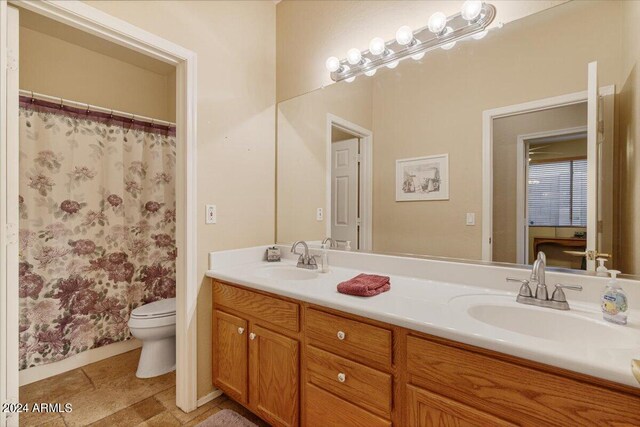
(558, 293)
(525, 289)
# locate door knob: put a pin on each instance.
(252, 336)
(635, 369)
(341, 335)
(240, 331)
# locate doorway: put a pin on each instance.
(89, 20)
(349, 184)
(521, 140)
(552, 195)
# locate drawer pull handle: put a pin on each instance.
(241, 331)
(342, 377)
(252, 336)
(341, 335)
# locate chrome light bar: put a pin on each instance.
(424, 40)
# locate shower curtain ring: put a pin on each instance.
(33, 99)
(61, 103)
(88, 108)
(111, 114)
(133, 117)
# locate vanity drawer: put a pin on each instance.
(350, 380)
(273, 310)
(517, 393)
(323, 409)
(349, 338)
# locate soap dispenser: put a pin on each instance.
(602, 269)
(614, 301)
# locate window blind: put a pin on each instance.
(557, 194)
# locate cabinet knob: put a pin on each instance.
(252, 336)
(240, 331)
(341, 335)
(342, 377)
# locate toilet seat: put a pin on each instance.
(155, 314)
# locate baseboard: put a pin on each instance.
(209, 397)
(37, 373)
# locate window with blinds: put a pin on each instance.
(557, 194)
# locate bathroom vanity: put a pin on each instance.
(294, 351)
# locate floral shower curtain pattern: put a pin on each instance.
(97, 227)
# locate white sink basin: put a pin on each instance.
(286, 272)
(574, 327)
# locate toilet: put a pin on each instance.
(155, 325)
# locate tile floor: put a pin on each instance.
(107, 393)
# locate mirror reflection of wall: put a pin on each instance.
(435, 106)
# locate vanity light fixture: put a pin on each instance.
(441, 31)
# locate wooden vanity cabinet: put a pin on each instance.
(256, 352)
(230, 358)
(295, 363)
(274, 376)
(426, 409)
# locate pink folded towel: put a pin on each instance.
(365, 285)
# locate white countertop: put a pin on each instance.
(440, 308)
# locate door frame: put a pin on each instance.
(365, 178)
(9, 217)
(522, 235)
(488, 117)
(91, 20)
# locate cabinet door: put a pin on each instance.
(274, 376)
(230, 355)
(426, 409)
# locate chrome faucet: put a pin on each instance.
(332, 243)
(558, 299)
(304, 260)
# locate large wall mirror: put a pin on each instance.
(525, 140)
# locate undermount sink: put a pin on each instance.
(568, 327)
(286, 272)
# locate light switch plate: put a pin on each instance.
(211, 214)
(471, 218)
(319, 214)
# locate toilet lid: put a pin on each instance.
(164, 307)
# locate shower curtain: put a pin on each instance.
(97, 227)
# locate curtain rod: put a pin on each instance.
(90, 107)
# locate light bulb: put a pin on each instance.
(332, 64)
(377, 46)
(369, 73)
(350, 79)
(404, 35)
(448, 46)
(480, 35)
(354, 56)
(471, 10)
(437, 22)
(393, 64)
(417, 56)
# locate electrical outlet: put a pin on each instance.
(211, 214)
(319, 214)
(471, 218)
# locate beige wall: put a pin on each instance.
(309, 31)
(302, 154)
(505, 135)
(629, 147)
(435, 106)
(235, 43)
(59, 68)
